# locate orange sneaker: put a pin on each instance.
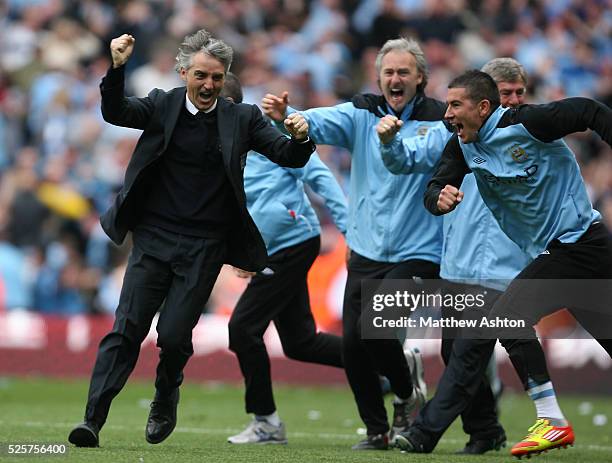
(543, 437)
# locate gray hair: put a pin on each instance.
(408, 45)
(203, 41)
(505, 70)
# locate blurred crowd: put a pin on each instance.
(60, 163)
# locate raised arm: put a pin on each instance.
(442, 194)
(117, 109)
(333, 125)
(555, 120)
(286, 152)
(418, 154)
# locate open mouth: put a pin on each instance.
(458, 128)
(396, 94)
(205, 95)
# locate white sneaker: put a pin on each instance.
(260, 432)
(404, 412)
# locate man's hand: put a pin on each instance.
(449, 198)
(242, 273)
(387, 127)
(275, 107)
(297, 126)
(121, 49)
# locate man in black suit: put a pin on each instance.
(184, 201)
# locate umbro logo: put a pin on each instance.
(479, 160)
(546, 252)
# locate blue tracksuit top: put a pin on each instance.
(387, 221)
(475, 250)
(526, 174)
(279, 205)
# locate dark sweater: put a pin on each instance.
(190, 192)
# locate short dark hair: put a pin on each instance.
(232, 88)
(478, 86)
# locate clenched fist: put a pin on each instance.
(387, 127)
(297, 126)
(275, 107)
(449, 197)
(121, 49)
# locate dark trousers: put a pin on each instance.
(365, 359)
(163, 266)
(282, 297)
(463, 388)
(586, 268)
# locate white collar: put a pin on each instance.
(193, 110)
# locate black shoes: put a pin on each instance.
(85, 435)
(162, 417)
(160, 424)
(480, 446)
(373, 442)
(412, 441)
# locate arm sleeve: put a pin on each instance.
(450, 171)
(555, 120)
(117, 109)
(280, 149)
(418, 154)
(318, 176)
(334, 125)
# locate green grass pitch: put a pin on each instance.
(322, 425)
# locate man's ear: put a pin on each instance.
(378, 83)
(183, 74)
(484, 108)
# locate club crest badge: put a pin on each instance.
(518, 153)
(422, 131)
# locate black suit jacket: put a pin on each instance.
(241, 128)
